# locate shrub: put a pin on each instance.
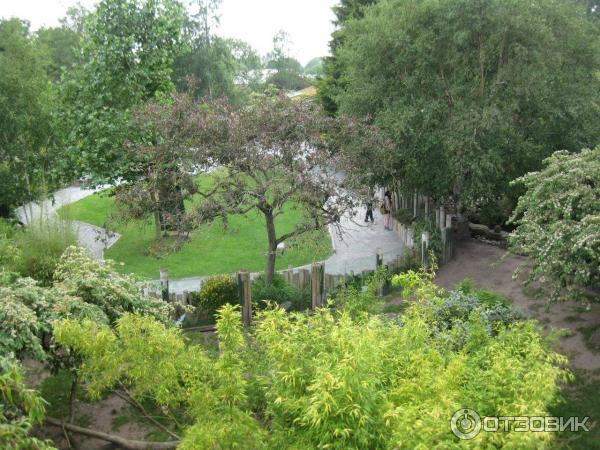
(280, 292)
(327, 380)
(40, 248)
(215, 292)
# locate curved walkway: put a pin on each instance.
(94, 238)
(354, 250)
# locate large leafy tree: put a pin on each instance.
(289, 73)
(330, 82)
(558, 223)
(128, 51)
(62, 45)
(276, 154)
(25, 137)
(474, 93)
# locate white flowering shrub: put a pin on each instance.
(558, 224)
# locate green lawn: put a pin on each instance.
(211, 250)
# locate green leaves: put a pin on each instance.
(557, 223)
(330, 380)
(473, 93)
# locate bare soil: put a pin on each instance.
(492, 268)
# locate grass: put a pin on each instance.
(211, 250)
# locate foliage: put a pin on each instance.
(128, 48)
(289, 73)
(331, 82)
(40, 247)
(164, 155)
(215, 292)
(425, 224)
(280, 292)
(332, 379)
(20, 409)
(25, 157)
(272, 154)
(557, 222)
(473, 93)
(98, 283)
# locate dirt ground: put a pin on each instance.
(490, 267)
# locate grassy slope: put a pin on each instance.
(211, 250)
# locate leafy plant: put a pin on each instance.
(20, 409)
(557, 224)
(333, 379)
(215, 292)
(280, 292)
(41, 246)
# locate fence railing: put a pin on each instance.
(315, 278)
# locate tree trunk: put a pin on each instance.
(272, 253)
(157, 226)
(73, 396)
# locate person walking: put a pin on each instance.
(387, 210)
(369, 214)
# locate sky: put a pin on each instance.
(308, 22)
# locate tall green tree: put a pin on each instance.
(25, 134)
(474, 93)
(289, 73)
(128, 51)
(330, 83)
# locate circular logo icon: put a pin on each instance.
(465, 424)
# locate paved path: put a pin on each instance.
(94, 238)
(354, 251)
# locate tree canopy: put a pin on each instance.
(26, 152)
(474, 93)
(128, 52)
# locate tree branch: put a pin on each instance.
(127, 444)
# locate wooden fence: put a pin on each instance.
(321, 285)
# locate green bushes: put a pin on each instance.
(280, 292)
(35, 251)
(335, 379)
(215, 292)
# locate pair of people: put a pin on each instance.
(386, 210)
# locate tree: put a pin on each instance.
(274, 156)
(558, 219)
(20, 409)
(128, 51)
(163, 157)
(26, 156)
(474, 93)
(314, 67)
(289, 73)
(62, 47)
(83, 289)
(330, 83)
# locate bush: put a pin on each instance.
(331, 379)
(280, 292)
(40, 248)
(215, 292)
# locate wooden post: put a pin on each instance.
(378, 264)
(164, 284)
(316, 282)
(378, 258)
(245, 294)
